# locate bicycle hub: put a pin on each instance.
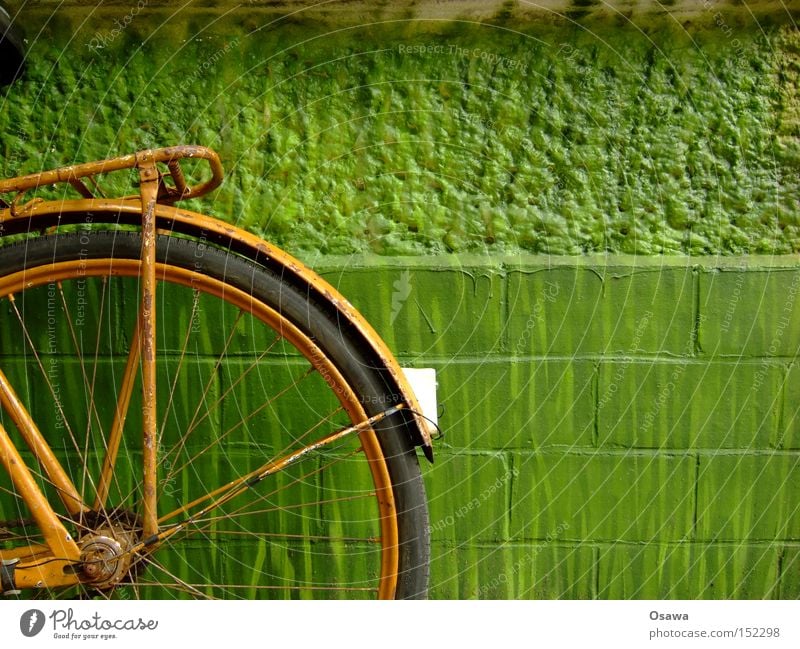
(105, 555)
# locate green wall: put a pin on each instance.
(586, 214)
(417, 138)
(616, 426)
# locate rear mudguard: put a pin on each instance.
(38, 217)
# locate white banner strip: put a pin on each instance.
(402, 624)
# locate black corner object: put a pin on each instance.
(12, 58)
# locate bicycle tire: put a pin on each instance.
(314, 319)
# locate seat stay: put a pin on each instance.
(40, 448)
(36, 572)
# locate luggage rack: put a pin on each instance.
(81, 177)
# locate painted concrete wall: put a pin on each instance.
(583, 219)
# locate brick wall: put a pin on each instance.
(615, 426)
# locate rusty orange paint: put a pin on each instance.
(35, 440)
(34, 572)
(148, 175)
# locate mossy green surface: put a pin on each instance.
(424, 137)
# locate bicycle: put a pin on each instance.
(260, 437)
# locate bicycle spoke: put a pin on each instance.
(120, 415)
(178, 582)
(184, 347)
(8, 537)
(66, 490)
(218, 440)
(238, 486)
(304, 586)
(187, 463)
(277, 535)
(260, 408)
(195, 422)
(77, 346)
(303, 477)
(110, 444)
(224, 517)
(275, 461)
(92, 384)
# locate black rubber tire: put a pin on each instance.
(313, 318)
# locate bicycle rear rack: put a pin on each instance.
(76, 175)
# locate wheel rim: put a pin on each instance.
(104, 270)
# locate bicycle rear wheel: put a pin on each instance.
(250, 369)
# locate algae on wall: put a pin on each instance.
(424, 137)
